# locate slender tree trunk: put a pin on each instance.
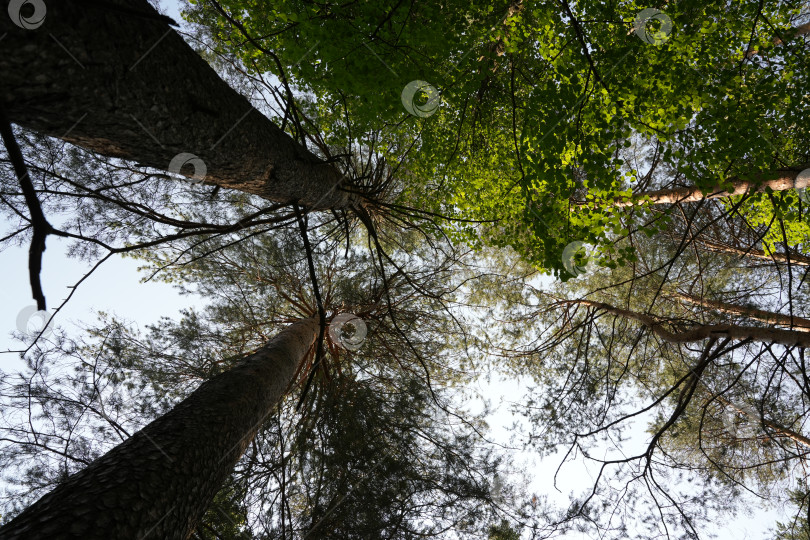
(114, 78)
(704, 331)
(800, 324)
(158, 483)
(778, 180)
(779, 430)
(795, 258)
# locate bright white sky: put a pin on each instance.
(115, 288)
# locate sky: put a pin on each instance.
(115, 287)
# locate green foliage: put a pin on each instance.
(503, 531)
(533, 133)
(376, 463)
(225, 519)
(784, 217)
(797, 528)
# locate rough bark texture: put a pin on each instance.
(800, 324)
(158, 483)
(128, 86)
(779, 180)
(795, 258)
(704, 331)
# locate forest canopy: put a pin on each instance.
(375, 209)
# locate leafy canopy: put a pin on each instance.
(540, 102)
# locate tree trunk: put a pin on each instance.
(800, 324)
(779, 430)
(778, 180)
(795, 258)
(158, 483)
(114, 78)
(700, 332)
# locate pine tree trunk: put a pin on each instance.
(704, 331)
(781, 431)
(158, 483)
(779, 180)
(127, 85)
(799, 324)
(795, 258)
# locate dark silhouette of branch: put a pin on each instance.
(41, 227)
(302, 223)
(583, 44)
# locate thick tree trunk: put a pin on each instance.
(704, 331)
(795, 258)
(799, 324)
(128, 86)
(779, 180)
(158, 483)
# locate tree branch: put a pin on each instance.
(40, 225)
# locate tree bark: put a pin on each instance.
(158, 483)
(98, 75)
(800, 324)
(795, 258)
(778, 180)
(700, 332)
